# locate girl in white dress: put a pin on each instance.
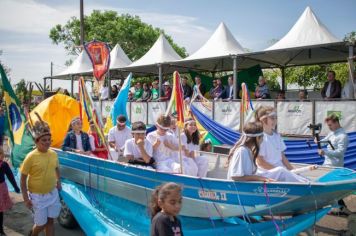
(165, 147)
(198, 165)
(271, 154)
(242, 157)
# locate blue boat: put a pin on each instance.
(99, 213)
(213, 197)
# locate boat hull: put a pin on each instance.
(205, 198)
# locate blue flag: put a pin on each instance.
(119, 106)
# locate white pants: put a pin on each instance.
(45, 206)
(281, 174)
(189, 166)
(114, 155)
(168, 165)
(203, 165)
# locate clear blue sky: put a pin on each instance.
(25, 24)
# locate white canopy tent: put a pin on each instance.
(81, 65)
(219, 53)
(159, 55)
(308, 42)
(118, 59)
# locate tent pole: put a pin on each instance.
(109, 84)
(283, 78)
(44, 87)
(160, 79)
(71, 86)
(235, 76)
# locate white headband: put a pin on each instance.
(121, 123)
(162, 127)
(253, 135)
(272, 114)
(189, 121)
(138, 131)
(75, 120)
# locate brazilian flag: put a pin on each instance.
(15, 124)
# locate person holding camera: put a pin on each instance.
(335, 151)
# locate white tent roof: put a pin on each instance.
(216, 54)
(81, 65)
(160, 53)
(118, 58)
(221, 43)
(308, 42)
(307, 31)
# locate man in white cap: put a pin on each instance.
(167, 92)
(117, 137)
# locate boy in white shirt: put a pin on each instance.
(138, 150)
(165, 147)
(117, 137)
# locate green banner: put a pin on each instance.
(248, 76)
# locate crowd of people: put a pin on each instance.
(146, 92)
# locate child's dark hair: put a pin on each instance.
(204, 146)
(250, 142)
(161, 193)
(194, 138)
(164, 121)
(138, 125)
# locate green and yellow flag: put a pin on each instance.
(15, 124)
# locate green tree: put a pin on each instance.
(21, 91)
(350, 37)
(134, 36)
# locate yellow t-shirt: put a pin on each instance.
(41, 170)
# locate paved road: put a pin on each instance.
(18, 220)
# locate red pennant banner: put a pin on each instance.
(99, 54)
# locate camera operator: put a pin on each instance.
(338, 139)
(335, 150)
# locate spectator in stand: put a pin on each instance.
(104, 92)
(281, 95)
(199, 87)
(138, 91)
(262, 91)
(146, 93)
(130, 97)
(303, 94)
(114, 91)
(219, 89)
(332, 88)
(167, 92)
(212, 90)
(187, 90)
(228, 93)
(154, 92)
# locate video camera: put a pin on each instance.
(315, 127)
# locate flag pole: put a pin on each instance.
(180, 151)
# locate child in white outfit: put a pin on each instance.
(196, 165)
(271, 161)
(139, 150)
(165, 146)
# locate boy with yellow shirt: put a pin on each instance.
(40, 181)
